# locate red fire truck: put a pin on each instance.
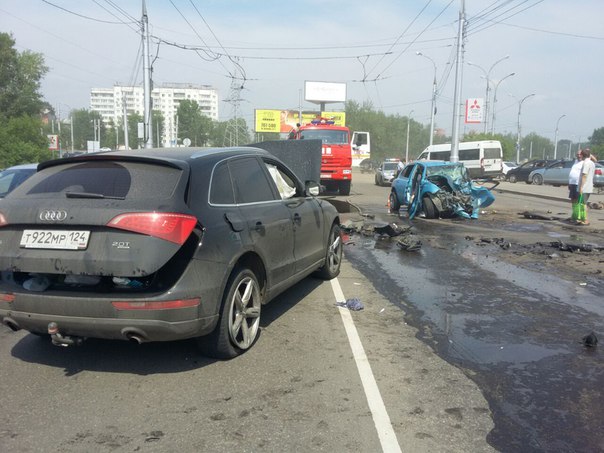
(336, 162)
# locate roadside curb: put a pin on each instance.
(535, 195)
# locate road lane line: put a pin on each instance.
(380, 416)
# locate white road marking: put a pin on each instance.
(381, 419)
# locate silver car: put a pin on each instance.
(385, 173)
(557, 173)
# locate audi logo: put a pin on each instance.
(51, 215)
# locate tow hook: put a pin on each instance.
(60, 340)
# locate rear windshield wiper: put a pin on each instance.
(92, 195)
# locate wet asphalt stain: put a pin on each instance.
(517, 333)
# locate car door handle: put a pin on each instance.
(297, 219)
(259, 227)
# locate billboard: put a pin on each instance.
(474, 110)
(283, 121)
(324, 91)
(53, 142)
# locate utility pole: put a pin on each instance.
(457, 95)
(126, 144)
(407, 148)
(148, 139)
(71, 124)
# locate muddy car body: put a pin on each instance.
(160, 245)
(438, 189)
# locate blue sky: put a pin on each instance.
(554, 48)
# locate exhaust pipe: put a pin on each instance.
(11, 324)
(134, 335)
(134, 338)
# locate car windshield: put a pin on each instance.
(455, 172)
(390, 166)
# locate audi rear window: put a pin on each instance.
(127, 180)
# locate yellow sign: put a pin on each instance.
(338, 117)
(285, 120)
(268, 120)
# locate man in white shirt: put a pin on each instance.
(586, 180)
(573, 185)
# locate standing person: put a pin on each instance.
(573, 186)
(586, 182)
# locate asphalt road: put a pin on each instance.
(511, 317)
(320, 378)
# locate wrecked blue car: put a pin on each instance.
(438, 189)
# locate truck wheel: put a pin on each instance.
(344, 187)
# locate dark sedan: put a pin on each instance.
(159, 245)
(522, 172)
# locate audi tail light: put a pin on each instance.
(169, 226)
(597, 172)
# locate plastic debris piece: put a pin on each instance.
(583, 284)
(36, 283)
(590, 340)
(408, 244)
(123, 281)
(352, 304)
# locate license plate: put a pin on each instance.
(325, 176)
(60, 240)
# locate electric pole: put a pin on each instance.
(457, 95)
(148, 138)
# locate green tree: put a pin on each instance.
(83, 127)
(193, 124)
(596, 142)
(21, 141)
(133, 141)
(22, 137)
(20, 76)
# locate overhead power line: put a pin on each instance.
(83, 16)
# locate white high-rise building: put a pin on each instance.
(109, 102)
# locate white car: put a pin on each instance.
(507, 166)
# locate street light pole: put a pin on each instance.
(556, 136)
(518, 138)
(407, 149)
(495, 100)
(434, 91)
(487, 76)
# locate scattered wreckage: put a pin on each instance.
(438, 189)
(405, 239)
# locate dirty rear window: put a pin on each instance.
(129, 180)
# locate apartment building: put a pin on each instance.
(109, 102)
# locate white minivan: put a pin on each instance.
(483, 159)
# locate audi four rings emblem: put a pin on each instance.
(52, 215)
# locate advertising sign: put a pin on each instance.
(474, 110)
(283, 121)
(53, 142)
(324, 91)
